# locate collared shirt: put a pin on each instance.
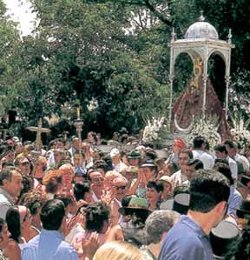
(6, 202)
(186, 241)
(48, 245)
(94, 197)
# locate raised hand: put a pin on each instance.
(90, 245)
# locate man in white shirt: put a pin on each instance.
(199, 146)
(221, 153)
(242, 161)
(10, 188)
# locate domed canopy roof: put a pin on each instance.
(200, 30)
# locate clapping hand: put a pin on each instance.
(90, 245)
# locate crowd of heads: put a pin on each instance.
(122, 198)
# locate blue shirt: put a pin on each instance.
(48, 245)
(186, 241)
(234, 201)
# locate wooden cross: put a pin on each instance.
(39, 130)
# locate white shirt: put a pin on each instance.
(6, 202)
(233, 167)
(120, 167)
(178, 179)
(242, 159)
(94, 197)
(206, 158)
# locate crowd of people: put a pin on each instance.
(76, 201)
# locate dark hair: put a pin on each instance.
(33, 200)
(99, 152)
(6, 150)
(207, 145)
(156, 185)
(219, 160)
(198, 164)
(125, 200)
(207, 189)
(66, 199)
(173, 167)
(94, 135)
(225, 170)
(80, 189)
(13, 223)
(220, 148)
(106, 158)
(101, 164)
(198, 141)
(52, 214)
(151, 154)
(52, 143)
(6, 174)
(124, 138)
(2, 223)
(180, 189)
(96, 214)
(28, 185)
(52, 185)
(231, 144)
(243, 245)
(7, 164)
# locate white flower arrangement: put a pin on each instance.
(154, 130)
(207, 128)
(240, 132)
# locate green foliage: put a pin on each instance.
(88, 50)
(9, 41)
(91, 57)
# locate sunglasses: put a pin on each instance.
(120, 187)
(97, 179)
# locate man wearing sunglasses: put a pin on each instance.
(120, 188)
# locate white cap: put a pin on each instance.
(15, 139)
(114, 152)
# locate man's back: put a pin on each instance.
(205, 157)
(186, 240)
(48, 245)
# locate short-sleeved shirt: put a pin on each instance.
(186, 241)
(48, 245)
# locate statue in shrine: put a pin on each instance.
(199, 100)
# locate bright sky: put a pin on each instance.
(20, 11)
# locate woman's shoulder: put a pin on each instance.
(12, 244)
(12, 250)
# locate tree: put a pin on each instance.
(113, 54)
(89, 58)
(9, 40)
